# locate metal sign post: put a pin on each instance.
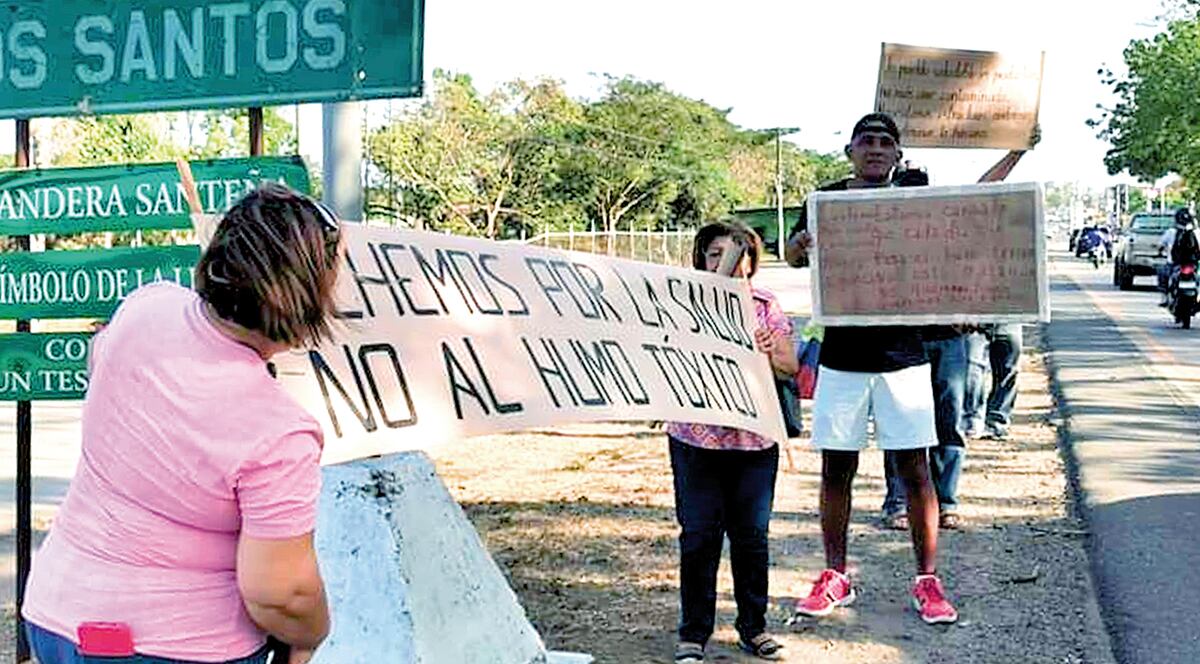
(256, 131)
(24, 445)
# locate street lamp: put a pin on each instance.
(779, 132)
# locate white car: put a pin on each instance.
(1136, 253)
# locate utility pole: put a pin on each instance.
(779, 192)
(779, 132)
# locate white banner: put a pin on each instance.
(443, 337)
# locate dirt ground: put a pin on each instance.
(582, 522)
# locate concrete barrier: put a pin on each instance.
(409, 580)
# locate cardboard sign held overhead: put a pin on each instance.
(926, 255)
(960, 99)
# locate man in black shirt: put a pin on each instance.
(880, 373)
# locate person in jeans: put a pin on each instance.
(947, 351)
(999, 346)
(725, 481)
(946, 347)
(189, 522)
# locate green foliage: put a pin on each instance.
(1154, 127)
(116, 139)
(527, 156)
(227, 134)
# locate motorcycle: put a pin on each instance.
(1182, 296)
(1091, 244)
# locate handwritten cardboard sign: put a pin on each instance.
(442, 337)
(960, 99)
(922, 255)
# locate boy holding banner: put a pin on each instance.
(881, 373)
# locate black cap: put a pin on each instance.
(1183, 216)
(878, 122)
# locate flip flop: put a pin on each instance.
(762, 646)
(687, 652)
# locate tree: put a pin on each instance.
(470, 162)
(526, 156)
(644, 151)
(753, 169)
(112, 139)
(1154, 127)
(227, 134)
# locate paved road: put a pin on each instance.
(1129, 383)
(55, 453)
(790, 285)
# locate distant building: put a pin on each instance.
(765, 222)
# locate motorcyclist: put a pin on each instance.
(1091, 243)
(1184, 247)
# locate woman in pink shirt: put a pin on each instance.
(189, 521)
(725, 480)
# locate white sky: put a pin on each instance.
(801, 63)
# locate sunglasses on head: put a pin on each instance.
(329, 224)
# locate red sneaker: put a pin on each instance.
(929, 599)
(831, 590)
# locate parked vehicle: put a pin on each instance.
(1137, 253)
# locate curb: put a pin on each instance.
(1061, 420)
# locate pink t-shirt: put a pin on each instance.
(187, 442)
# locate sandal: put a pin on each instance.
(762, 646)
(949, 521)
(687, 652)
(897, 521)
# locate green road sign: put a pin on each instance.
(88, 283)
(43, 366)
(133, 196)
(123, 56)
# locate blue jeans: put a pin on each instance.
(949, 367)
(1000, 347)
(50, 648)
(1164, 276)
(720, 493)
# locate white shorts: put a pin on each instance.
(901, 403)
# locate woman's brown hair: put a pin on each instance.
(737, 231)
(272, 266)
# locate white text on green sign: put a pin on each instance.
(114, 56)
(43, 366)
(88, 283)
(131, 197)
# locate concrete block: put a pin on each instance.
(409, 580)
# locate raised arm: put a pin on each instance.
(1000, 170)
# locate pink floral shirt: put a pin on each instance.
(770, 316)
